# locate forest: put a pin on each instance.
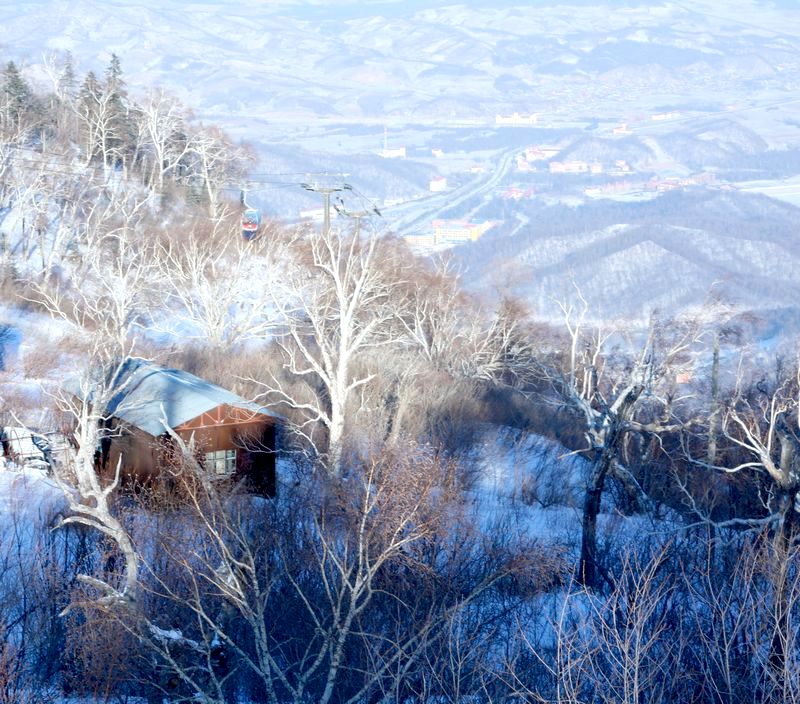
(474, 504)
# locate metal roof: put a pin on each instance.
(153, 397)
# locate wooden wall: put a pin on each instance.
(251, 435)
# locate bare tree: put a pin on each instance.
(106, 312)
(214, 276)
(455, 333)
(615, 395)
(334, 596)
(761, 426)
(114, 286)
(334, 298)
(98, 118)
(90, 498)
(433, 315)
(625, 647)
(216, 161)
(163, 133)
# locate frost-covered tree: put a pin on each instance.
(211, 277)
(102, 114)
(336, 299)
(17, 95)
(163, 143)
(215, 161)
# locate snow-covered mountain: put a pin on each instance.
(413, 60)
(267, 71)
(668, 254)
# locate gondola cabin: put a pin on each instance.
(251, 221)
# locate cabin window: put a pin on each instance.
(221, 462)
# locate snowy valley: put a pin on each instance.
(403, 352)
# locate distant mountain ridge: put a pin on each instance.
(414, 59)
(668, 254)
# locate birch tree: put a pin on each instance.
(213, 279)
(90, 498)
(102, 117)
(114, 287)
(162, 125)
(334, 300)
(216, 160)
(105, 313)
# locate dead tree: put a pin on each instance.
(761, 426)
(615, 393)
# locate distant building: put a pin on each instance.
(459, 231)
(438, 153)
(569, 167)
(540, 153)
(394, 153)
(515, 193)
(662, 185)
(670, 183)
(661, 117)
(391, 153)
(622, 129)
(517, 120)
(477, 169)
(438, 184)
(596, 168)
(426, 241)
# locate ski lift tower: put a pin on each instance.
(326, 191)
(357, 215)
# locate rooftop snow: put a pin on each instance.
(154, 397)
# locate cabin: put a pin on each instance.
(235, 439)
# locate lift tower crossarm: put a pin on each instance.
(326, 194)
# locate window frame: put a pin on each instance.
(221, 459)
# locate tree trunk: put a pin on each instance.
(338, 393)
(782, 556)
(588, 569)
(335, 439)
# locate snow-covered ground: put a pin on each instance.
(28, 495)
(36, 359)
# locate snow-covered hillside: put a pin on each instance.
(388, 60)
(677, 251)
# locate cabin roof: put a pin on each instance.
(152, 396)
